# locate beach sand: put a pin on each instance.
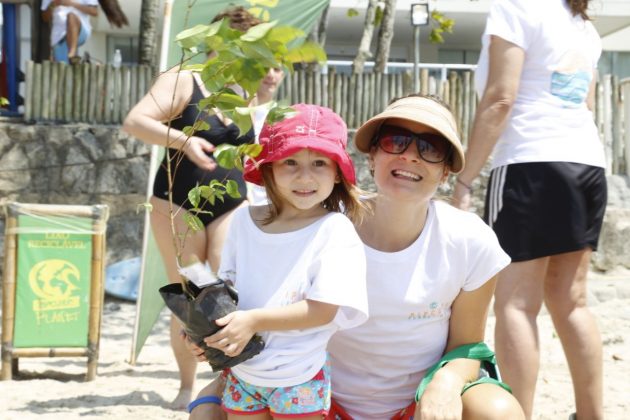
(53, 388)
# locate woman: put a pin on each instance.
(174, 98)
(547, 190)
(430, 276)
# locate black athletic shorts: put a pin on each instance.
(544, 208)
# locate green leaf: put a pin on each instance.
(243, 120)
(189, 130)
(284, 35)
(193, 222)
(192, 37)
(257, 32)
(308, 52)
(194, 196)
(205, 191)
(262, 51)
(252, 150)
(229, 99)
(352, 13)
(201, 125)
(224, 155)
(279, 113)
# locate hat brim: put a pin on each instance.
(365, 134)
(252, 170)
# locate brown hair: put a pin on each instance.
(238, 17)
(579, 7)
(344, 198)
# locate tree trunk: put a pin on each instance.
(385, 36)
(148, 32)
(366, 39)
(318, 34)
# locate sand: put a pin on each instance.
(53, 388)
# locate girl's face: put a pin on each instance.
(304, 179)
(406, 175)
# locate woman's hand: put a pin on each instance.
(196, 351)
(441, 399)
(197, 150)
(238, 329)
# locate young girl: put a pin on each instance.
(299, 266)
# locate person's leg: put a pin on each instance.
(489, 402)
(518, 299)
(73, 29)
(210, 411)
(216, 233)
(565, 298)
(195, 245)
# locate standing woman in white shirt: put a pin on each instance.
(547, 190)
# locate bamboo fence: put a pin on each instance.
(91, 93)
(104, 94)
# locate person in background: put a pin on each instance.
(547, 190)
(174, 98)
(431, 272)
(70, 26)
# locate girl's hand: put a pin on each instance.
(461, 196)
(441, 399)
(197, 150)
(238, 329)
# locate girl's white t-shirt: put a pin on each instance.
(377, 366)
(324, 261)
(550, 121)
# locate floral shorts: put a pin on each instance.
(309, 398)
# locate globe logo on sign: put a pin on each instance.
(54, 282)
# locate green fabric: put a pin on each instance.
(476, 351)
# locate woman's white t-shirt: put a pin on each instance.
(550, 121)
(377, 366)
(324, 261)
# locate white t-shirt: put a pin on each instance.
(257, 195)
(324, 261)
(377, 366)
(550, 121)
(60, 16)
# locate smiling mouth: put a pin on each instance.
(397, 173)
(304, 193)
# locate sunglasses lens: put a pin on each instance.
(433, 147)
(394, 143)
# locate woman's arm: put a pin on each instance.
(506, 63)
(467, 324)
(590, 98)
(240, 326)
(166, 100)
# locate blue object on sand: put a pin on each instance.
(122, 278)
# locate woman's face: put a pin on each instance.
(271, 82)
(407, 176)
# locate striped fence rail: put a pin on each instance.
(90, 93)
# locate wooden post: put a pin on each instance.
(45, 99)
(625, 104)
(8, 294)
(85, 91)
(29, 100)
(68, 90)
(37, 91)
(54, 91)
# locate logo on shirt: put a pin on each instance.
(432, 311)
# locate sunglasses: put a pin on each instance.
(432, 148)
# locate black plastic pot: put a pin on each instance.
(199, 313)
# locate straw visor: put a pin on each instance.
(313, 127)
(420, 110)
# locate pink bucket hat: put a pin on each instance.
(313, 127)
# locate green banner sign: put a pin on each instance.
(53, 282)
(301, 14)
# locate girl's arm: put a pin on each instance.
(166, 100)
(504, 74)
(240, 326)
(467, 325)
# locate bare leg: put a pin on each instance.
(490, 402)
(210, 411)
(565, 297)
(73, 28)
(518, 299)
(195, 245)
